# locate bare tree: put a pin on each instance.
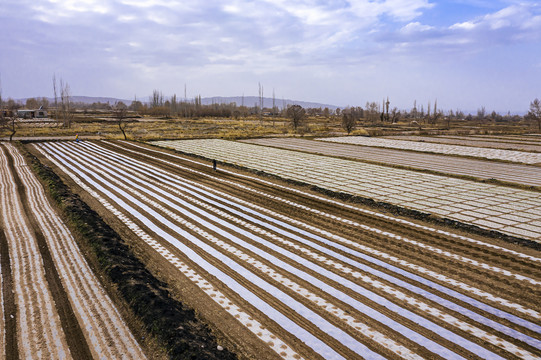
(395, 115)
(66, 110)
(55, 98)
(120, 110)
(8, 117)
(274, 108)
(372, 109)
(437, 113)
(260, 103)
(387, 103)
(349, 122)
(296, 113)
(32, 103)
(481, 113)
(535, 112)
(414, 112)
(157, 99)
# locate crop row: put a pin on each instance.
(481, 169)
(270, 262)
(508, 210)
(480, 152)
(75, 319)
(519, 143)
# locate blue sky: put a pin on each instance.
(465, 54)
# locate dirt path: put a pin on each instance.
(79, 320)
(310, 278)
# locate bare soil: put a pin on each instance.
(175, 325)
(453, 255)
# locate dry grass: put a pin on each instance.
(151, 128)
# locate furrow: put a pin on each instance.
(397, 294)
(261, 331)
(40, 333)
(515, 349)
(101, 323)
(354, 244)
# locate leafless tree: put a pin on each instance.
(66, 110)
(386, 103)
(274, 108)
(55, 98)
(372, 109)
(8, 116)
(414, 112)
(260, 103)
(157, 99)
(120, 110)
(481, 113)
(395, 115)
(32, 103)
(349, 122)
(535, 112)
(296, 113)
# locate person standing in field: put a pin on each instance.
(76, 137)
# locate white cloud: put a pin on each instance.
(467, 25)
(415, 27)
(157, 42)
(514, 18)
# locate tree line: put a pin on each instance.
(373, 113)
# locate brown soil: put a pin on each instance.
(10, 308)
(76, 340)
(344, 222)
(174, 324)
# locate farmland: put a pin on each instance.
(484, 170)
(54, 305)
(508, 210)
(509, 142)
(462, 150)
(282, 272)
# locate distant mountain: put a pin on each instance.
(248, 101)
(82, 99)
(251, 101)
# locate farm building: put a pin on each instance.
(32, 114)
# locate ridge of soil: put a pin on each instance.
(376, 205)
(10, 308)
(173, 324)
(76, 340)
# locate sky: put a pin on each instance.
(462, 54)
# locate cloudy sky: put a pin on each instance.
(465, 54)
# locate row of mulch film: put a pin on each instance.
(173, 324)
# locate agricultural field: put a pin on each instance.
(438, 148)
(521, 174)
(283, 272)
(52, 304)
(510, 142)
(508, 210)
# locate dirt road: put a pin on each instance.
(284, 273)
(58, 308)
